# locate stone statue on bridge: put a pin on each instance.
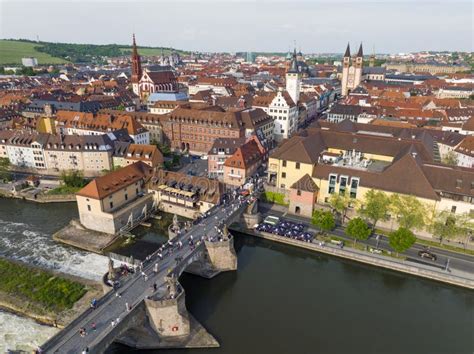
(171, 285)
(111, 276)
(175, 223)
(225, 232)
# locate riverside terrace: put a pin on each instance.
(156, 308)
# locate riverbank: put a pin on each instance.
(457, 278)
(46, 296)
(40, 197)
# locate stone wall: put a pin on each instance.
(169, 318)
(222, 254)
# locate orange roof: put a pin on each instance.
(112, 182)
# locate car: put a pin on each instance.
(427, 254)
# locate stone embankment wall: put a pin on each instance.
(375, 260)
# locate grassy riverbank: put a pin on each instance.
(37, 293)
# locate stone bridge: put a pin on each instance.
(148, 310)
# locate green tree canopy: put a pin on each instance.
(447, 225)
(340, 203)
(324, 220)
(375, 207)
(73, 179)
(5, 174)
(358, 229)
(401, 239)
(450, 159)
(410, 212)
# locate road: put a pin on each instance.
(134, 289)
(460, 261)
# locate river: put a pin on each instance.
(281, 299)
(25, 235)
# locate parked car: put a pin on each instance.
(427, 254)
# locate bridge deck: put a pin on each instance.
(135, 289)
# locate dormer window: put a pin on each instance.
(458, 183)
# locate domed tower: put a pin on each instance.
(136, 69)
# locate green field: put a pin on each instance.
(41, 290)
(11, 52)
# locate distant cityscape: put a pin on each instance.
(357, 155)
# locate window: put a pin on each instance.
(354, 186)
(458, 183)
(332, 183)
(284, 163)
(453, 209)
(297, 165)
(342, 185)
(297, 210)
(88, 207)
(126, 196)
(111, 205)
(298, 192)
(283, 175)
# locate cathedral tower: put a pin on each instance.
(345, 70)
(359, 61)
(352, 70)
(136, 69)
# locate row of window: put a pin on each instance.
(344, 185)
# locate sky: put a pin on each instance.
(315, 26)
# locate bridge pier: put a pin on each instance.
(169, 318)
(221, 254)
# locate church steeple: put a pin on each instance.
(294, 63)
(347, 54)
(136, 62)
(136, 67)
(360, 53)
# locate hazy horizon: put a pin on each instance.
(239, 26)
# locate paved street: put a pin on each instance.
(460, 261)
(134, 289)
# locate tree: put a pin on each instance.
(340, 203)
(358, 230)
(447, 225)
(450, 159)
(376, 206)
(73, 179)
(5, 174)
(324, 220)
(401, 239)
(410, 212)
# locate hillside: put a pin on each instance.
(11, 52)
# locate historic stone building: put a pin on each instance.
(353, 71)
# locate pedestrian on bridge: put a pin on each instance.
(155, 268)
(127, 306)
(113, 324)
(93, 326)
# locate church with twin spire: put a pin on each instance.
(354, 72)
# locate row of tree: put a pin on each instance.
(410, 213)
